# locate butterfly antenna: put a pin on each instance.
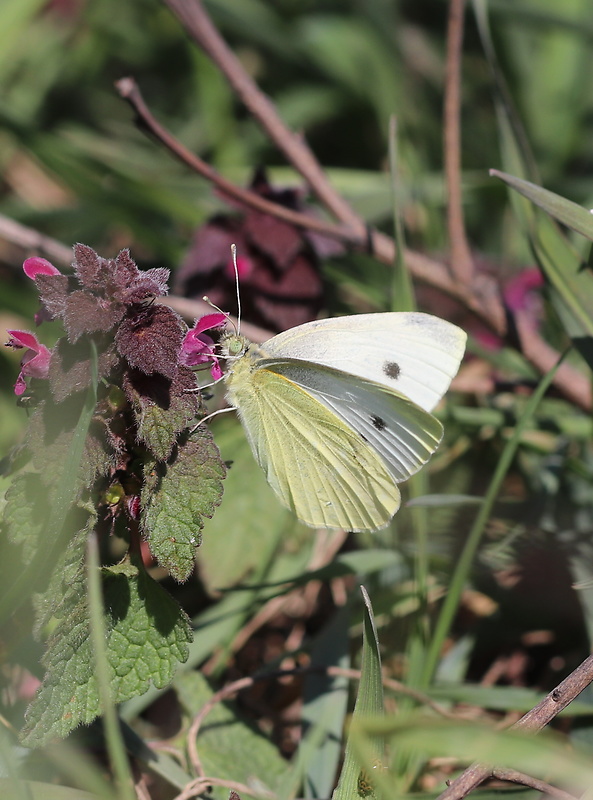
(236, 268)
(206, 299)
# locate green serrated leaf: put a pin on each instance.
(147, 635)
(156, 433)
(177, 497)
(255, 760)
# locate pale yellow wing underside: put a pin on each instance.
(319, 467)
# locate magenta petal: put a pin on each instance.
(216, 371)
(36, 365)
(197, 341)
(193, 359)
(517, 290)
(209, 321)
(20, 339)
(35, 361)
(39, 266)
(198, 347)
(20, 385)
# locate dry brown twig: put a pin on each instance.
(514, 776)
(572, 383)
(31, 240)
(536, 719)
(462, 266)
(200, 786)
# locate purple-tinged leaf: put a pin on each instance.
(70, 366)
(150, 340)
(88, 313)
(89, 267)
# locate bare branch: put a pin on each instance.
(461, 258)
(483, 295)
(128, 89)
(485, 301)
(33, 241)
(199, 26)
(513, 776)
(536, 719)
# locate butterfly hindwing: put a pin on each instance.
(319, 466)
(403, 434)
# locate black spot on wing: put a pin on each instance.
(392, 370)
(378, 422)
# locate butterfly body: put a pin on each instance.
(337, 411)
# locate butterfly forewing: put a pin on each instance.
(413, 353)
(320, 467)
(403, 434)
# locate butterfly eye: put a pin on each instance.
(235, 345)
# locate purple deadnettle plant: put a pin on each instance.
(112, 453)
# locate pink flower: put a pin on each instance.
(521, 294)
(518, 292)
(35, 362)
(39, 266)
(198, 347)
(33, 267)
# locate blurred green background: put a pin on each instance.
(75, 167)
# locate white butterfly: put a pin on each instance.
(337, 411)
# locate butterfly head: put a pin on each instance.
(233, 345)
